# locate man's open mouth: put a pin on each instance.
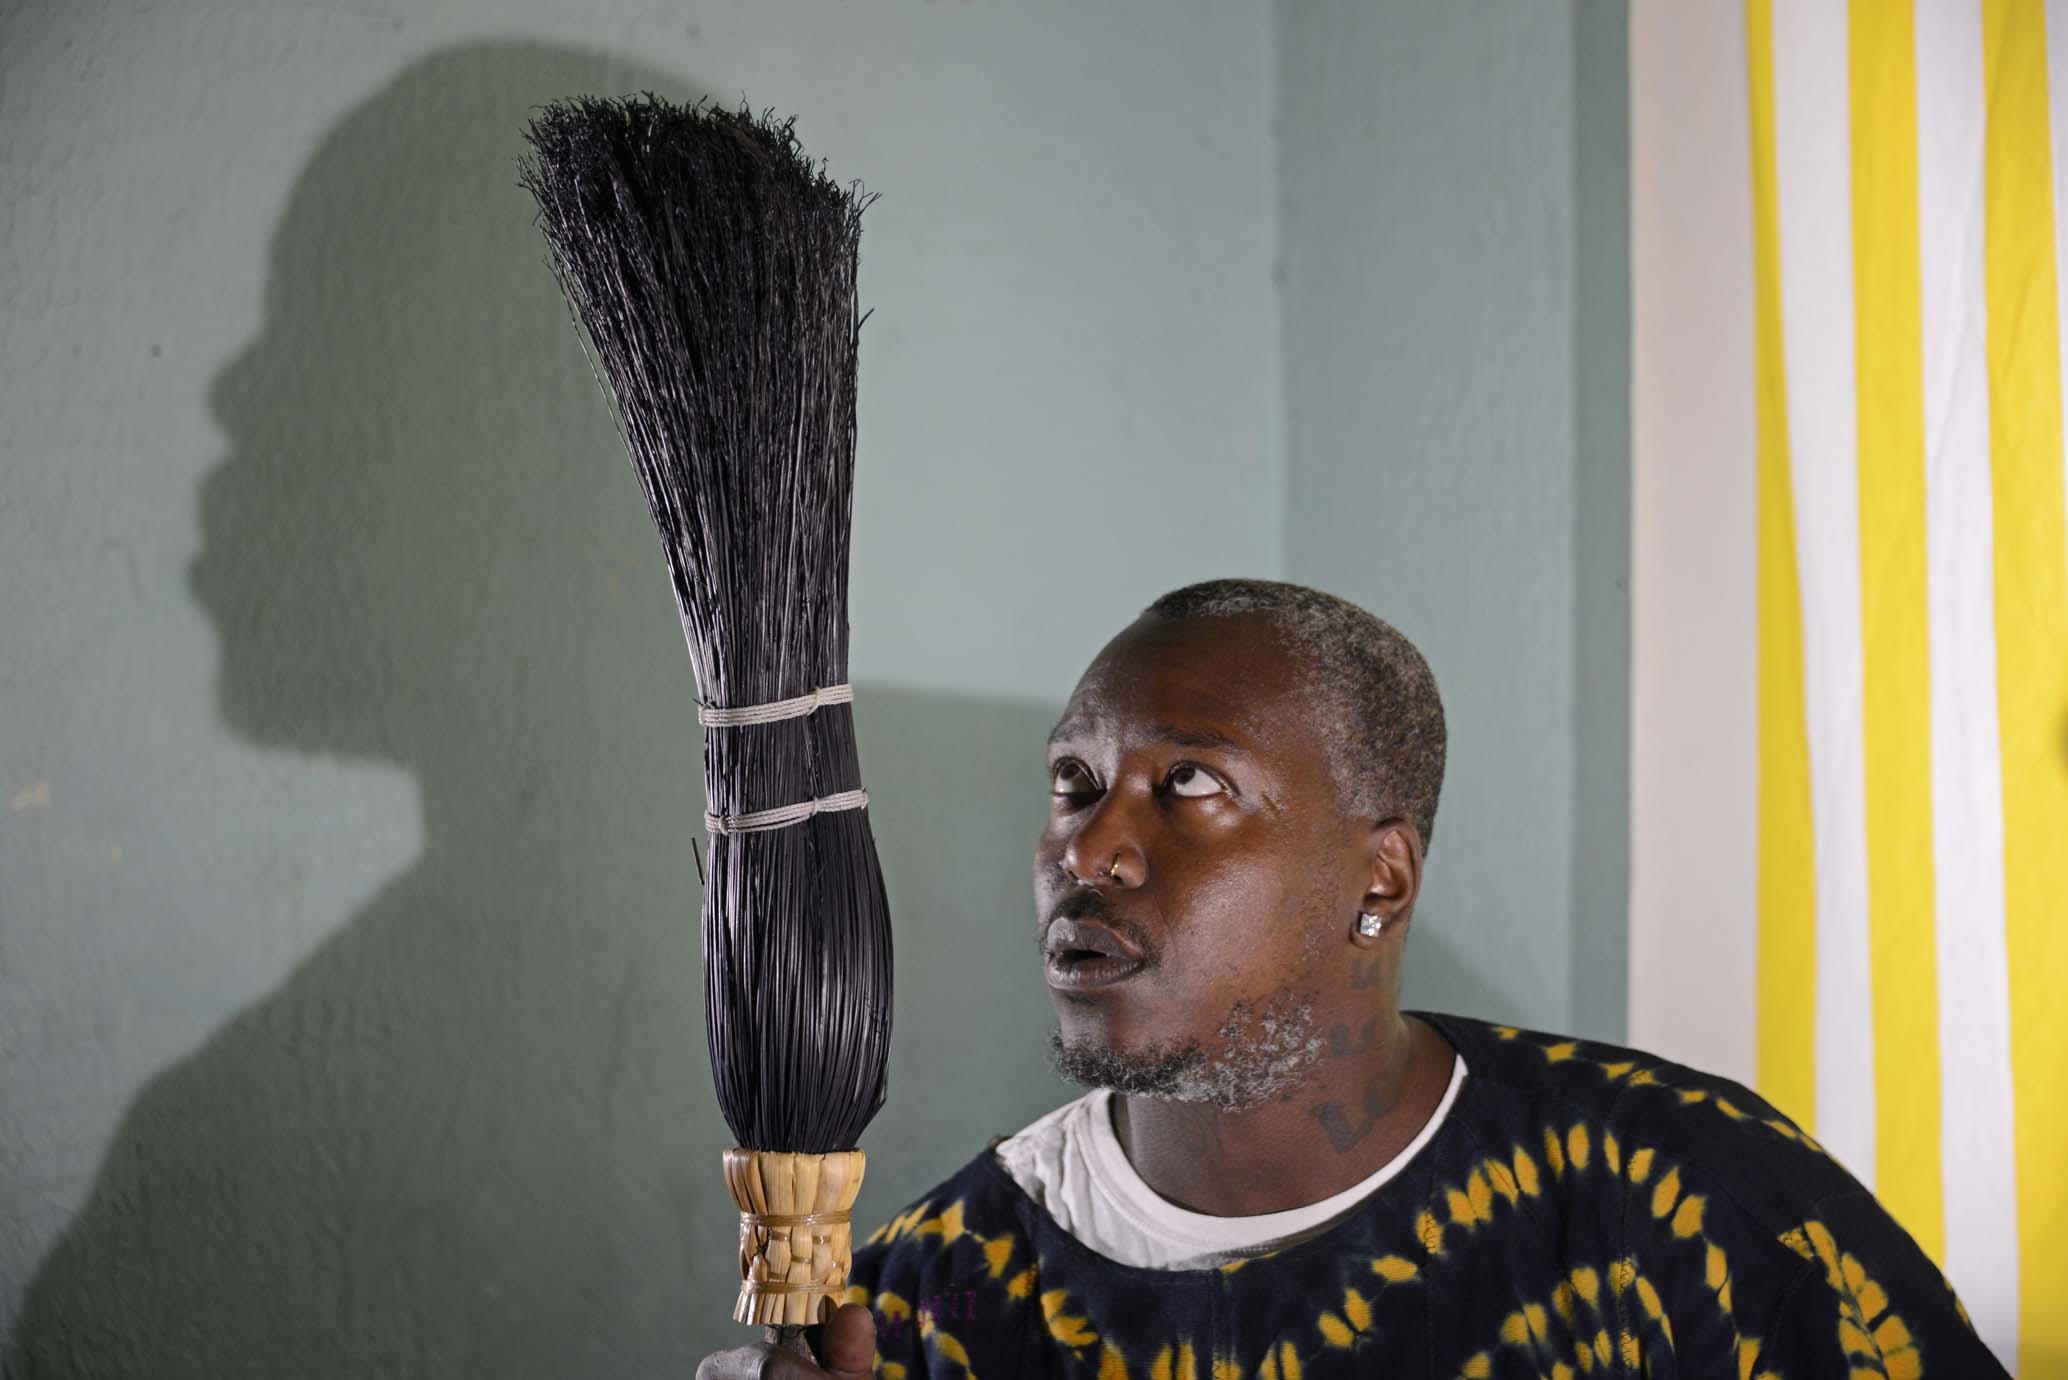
(1083, 954)
(1077, 970)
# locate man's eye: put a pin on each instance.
(1069, 778)
(1190, 780)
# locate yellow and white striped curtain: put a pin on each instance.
(1907, 168)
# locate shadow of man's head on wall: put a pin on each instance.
(438, 1147)
(407, 552)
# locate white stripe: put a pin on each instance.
(1967, 787)
(1813, 160)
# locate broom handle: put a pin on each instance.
(789, 1337)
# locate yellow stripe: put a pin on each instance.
(1895, 652)
(2031, 648)
(1787, 868)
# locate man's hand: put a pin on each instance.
(846, 1347)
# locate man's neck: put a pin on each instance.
(1360, 1109)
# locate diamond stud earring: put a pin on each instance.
(1368, 925)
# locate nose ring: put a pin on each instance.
(1112, 868)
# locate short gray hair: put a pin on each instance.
(1371, 696)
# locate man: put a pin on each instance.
(1279, 1173)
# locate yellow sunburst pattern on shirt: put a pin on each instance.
(997, 1251)
(1596, 1316)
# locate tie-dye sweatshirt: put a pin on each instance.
(1583, 1210)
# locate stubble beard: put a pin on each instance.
(1260, 1053)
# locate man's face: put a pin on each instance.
(1197, 880)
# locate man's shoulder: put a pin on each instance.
(1553, 1074)
(1721, 1213)
(1642, 1115)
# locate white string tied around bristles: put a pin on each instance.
(754, 821)
(711, 716)
(775, 711)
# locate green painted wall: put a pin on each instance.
(1453, 193)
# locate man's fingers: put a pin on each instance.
(740, 1363)
(847, 1351)
(847, 1343)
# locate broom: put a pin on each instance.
(712, 269)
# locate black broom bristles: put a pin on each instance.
(712, 269)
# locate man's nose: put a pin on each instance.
(1106, 847)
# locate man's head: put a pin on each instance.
(1241, 773)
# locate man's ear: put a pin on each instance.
(1396, 871)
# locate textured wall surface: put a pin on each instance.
(1453, 193)
(349, 1010)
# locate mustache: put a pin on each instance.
(1090, 904)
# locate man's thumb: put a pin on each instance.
(847, 1343)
